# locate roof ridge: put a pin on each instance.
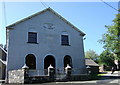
(9, 26)
(50, 9)
(67, 22)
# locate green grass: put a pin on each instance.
(100, 74)
(94, 76)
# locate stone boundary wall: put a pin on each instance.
(16, 76)
(21, 76)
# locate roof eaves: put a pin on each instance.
(3, 62)
(93, 65)
(82, 34)
(90, 62)
(29, 17)
(3, 49)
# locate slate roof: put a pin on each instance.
(90, 62)
(2, 61)
(3, 49)
(48, 9)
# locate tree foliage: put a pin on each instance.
(106, 58)
(92, 55)
(111, 39)
(1, 45)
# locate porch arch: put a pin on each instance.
(49, 60)
(67, 60)
(30, 61)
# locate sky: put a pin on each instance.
(89, 17)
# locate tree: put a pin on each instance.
(92, 55)
(107, 58)
(111, 39)
(1, 45)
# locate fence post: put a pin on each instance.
(88, 70)
(51, 72)
(68, 71)
(25, 68)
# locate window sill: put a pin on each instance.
(32, 43)
(65, 45)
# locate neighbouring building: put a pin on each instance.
(3, 54)
(93, 66)
(42, 39)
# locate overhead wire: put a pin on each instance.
(109, 5)
(4, 13)
(47, 6)
(44, 4)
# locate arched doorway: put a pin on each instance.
(67, 60)
(47, 61)
(31, 61)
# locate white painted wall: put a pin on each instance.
(49, 42)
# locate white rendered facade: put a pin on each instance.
(49, 27)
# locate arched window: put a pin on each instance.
(31, 61)
(67, 60)
(49, 60)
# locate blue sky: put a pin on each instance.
(89, 17)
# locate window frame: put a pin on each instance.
(30, 41)
(68, 44)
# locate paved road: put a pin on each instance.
(110, 78)
(95, 82)
(116, 73)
